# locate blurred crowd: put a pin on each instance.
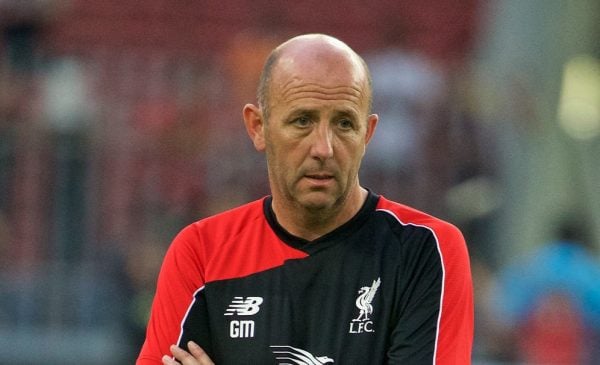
(108, 149)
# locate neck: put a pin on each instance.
(311, 224)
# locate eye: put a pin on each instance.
(302, 121)
(346, 124)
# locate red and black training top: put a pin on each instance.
(390, 286)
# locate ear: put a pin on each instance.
(371, 124)
(255, 125)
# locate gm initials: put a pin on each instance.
(241, 329)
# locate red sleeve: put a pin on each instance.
(181, 275)
(455, 328)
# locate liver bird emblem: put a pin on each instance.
(365, 297)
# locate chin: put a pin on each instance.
(316, 206)
(318, 201)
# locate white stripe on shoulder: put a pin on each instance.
(437, 242)
(187, 313)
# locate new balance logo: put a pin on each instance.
(244, 307)
(241, 306)
(292, 355)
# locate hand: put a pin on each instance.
(196, 356)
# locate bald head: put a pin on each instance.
(312, 55)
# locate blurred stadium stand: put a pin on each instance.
(120, 122)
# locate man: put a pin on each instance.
(323, 270)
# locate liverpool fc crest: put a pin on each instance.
(362, 323)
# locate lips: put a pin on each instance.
(319, 176)
(320, 180)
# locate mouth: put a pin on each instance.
(319, 176)
(319, 180)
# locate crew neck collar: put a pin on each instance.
(327, 239)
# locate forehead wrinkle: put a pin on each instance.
(314, 90)
(321, 96)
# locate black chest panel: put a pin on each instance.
(343, 304)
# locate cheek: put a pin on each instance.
(279, 162)
(352, 153)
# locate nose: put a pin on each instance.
(322, 147)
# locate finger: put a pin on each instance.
(166, 360)
(199, 353)
(183, 356)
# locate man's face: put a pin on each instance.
(316, 134)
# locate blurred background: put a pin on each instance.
(120, 123)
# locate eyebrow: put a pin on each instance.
(347, 112)
(302, 111)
